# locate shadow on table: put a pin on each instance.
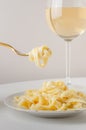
(77, 119)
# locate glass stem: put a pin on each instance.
(68, 63)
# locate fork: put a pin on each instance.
(13, 49)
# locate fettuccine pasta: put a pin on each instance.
(53, 96)
(40, 55)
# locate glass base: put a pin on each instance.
(68, 82)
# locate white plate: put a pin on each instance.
(10, 103)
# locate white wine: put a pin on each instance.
(67, 22)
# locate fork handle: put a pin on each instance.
(13, 49)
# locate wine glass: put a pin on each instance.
(67, 18)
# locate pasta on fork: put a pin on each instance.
(40, 55)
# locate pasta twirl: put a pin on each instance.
(40, 55)
(53, 96)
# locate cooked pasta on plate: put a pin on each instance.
(52, 96)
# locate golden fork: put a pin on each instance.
(13, 49)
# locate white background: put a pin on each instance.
(23, 25)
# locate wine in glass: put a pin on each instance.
(67, 18)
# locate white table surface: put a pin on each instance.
(14, 120)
